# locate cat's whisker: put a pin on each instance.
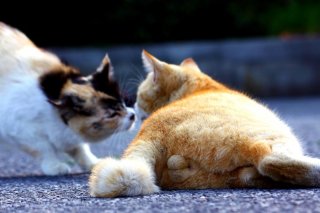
(122, 81)
(138, 77)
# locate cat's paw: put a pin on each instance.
(55, 168)
(90, 163)
(113, 178)
(180, 168)
(177, 162)
(84, 157)
(87, 164)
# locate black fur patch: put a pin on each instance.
(53, 82)
(112, 104)
(103, 82)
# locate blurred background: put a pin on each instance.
(265, 48)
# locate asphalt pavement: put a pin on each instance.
(24, 189)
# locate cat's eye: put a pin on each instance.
(96, 125)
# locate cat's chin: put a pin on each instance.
(141, 114)
(128, 126)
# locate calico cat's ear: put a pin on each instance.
(105, 70)
(53, 82)
(189, 62)
(70, 105)
(152, 64)
(70, 101)
(103, 79)
(103, 74)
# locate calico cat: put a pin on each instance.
(202, 134)
(49, 109)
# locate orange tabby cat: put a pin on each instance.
(201, 134)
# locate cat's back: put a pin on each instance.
(218, 112)
(19, 56)
(217, 103)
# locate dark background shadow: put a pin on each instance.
(264, 48)
(52, 23)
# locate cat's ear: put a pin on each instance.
(69, 101)
(53, 81)
(69, 105)
(104, 72)
(103, 79)
(189, 62)
(103, 75)
(152, 64)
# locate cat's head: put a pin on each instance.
(166, 83)
(92, 106)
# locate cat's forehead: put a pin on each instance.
(85, 91)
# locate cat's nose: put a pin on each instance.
(131, 114)
(132, 117)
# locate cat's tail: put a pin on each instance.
(298, 170)
(125, 177)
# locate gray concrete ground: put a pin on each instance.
(24, 189)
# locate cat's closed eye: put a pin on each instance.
(96, 125)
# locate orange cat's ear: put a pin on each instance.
(189, 62)
(152, 64)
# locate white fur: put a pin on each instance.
(141, 115)
(126, 177)
(126, 123)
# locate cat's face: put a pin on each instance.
(92, 106)
(165, 83)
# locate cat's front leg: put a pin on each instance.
(84, 157)
(51, 164)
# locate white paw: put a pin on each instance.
(84, 157)
(89, 163)
(55, 168)
(112, 178)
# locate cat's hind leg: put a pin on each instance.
(295, 169)
(283, 161)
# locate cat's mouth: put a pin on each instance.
(142, 115)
